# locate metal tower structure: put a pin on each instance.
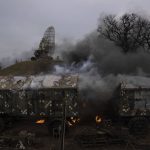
(47, 44)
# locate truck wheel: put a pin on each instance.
(138, 126)
(2, 124)
(55, 124)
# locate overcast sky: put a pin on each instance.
(23, 22)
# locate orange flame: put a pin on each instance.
(73, 121)
(40, 121)
(98, 119)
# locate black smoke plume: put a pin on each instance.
(101, 66)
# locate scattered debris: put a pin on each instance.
(20, 145)
(21, 141)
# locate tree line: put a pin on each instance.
(130, 31)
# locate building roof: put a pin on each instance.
(38, 82)
(132, 82)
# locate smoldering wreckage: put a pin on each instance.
(80, 108)
(50, 98)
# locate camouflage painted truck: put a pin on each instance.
(134, 103)
(38, 97)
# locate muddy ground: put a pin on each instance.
(30, 136)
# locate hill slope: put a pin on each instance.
(30, 67)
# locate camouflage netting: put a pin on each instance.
(38, 95)
(135, 81)
(35, 82)
(135, 96)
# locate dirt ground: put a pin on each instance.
(30, 136)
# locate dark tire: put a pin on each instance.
(2, 124)
(56, 124)
(138, 126)
(53, 124)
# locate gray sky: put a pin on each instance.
(23, 22)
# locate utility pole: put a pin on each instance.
(63, 122)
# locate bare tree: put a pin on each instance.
(130, 31)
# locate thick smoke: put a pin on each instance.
(99, 62)
(89, 79)
(108, 57)
(101, 66)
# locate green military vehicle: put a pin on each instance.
(134, 103)
(45, 97)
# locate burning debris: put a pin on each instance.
(98, 119)
(72, 121)
(40, 121)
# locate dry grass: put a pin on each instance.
(29, 67)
